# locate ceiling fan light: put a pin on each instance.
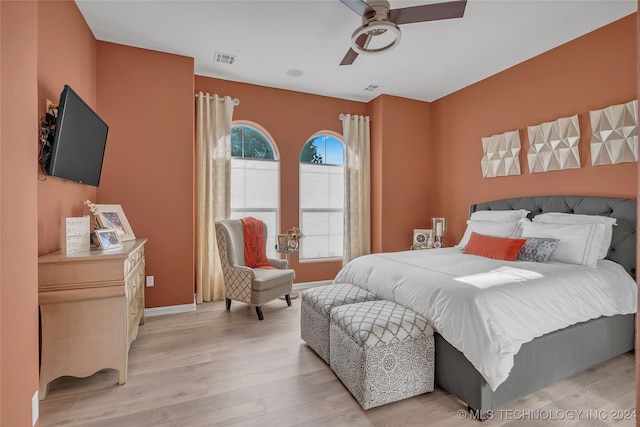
(373, 27)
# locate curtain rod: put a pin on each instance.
(236, 101)
(342, 116)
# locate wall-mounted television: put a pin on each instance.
(79, 141)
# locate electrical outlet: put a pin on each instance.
(34, 409)
(150, 281)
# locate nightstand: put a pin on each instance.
(419, 247)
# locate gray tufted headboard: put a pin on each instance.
(623, 243)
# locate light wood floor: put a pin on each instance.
(212, 367)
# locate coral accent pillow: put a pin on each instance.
(503, 248)
(255, 247)
(489, 228)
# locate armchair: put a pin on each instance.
(255, 286)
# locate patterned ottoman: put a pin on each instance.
(381, 351)
(315, 307)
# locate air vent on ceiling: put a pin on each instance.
(225, 58)
(372, 88)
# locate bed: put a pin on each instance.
(536, 361)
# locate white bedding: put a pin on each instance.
(489, 322)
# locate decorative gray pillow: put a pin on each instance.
(537, 249)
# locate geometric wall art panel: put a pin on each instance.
(554, 145)
(615, 134)
(501, 155)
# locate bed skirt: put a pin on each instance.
(539, 363)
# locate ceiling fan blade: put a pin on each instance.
(428, 12)
(359, 6)
(349, 57)
(362, 40)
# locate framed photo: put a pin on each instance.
(108, 238)
(112, 216)
(421, 237)
(282, 242)
(95, 242)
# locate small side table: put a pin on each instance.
(419, 248)
(286, 253)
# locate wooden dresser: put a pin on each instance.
(90, 307)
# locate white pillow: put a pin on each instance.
(565, 218)
(488, 228)
(579, 243)
(500, 216)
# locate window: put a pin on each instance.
(322, 197)
(254, 178)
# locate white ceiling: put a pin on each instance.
(271, 37)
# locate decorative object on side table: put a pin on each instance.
(439, 227)
(294, 235)
(111, 216)
(282, 244)
(289, 243)
(107, 238)
(76, 235)
(92, 208)
(422, 238)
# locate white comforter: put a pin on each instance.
(488, 323)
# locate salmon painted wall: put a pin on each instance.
(591, 72)
(66, 55)
(1, 202)
(638, 199)
(401, 170)
(376, 112)
(291, 118)
(146, 97)
(18, 211)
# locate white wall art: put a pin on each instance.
(615, 134)
(501, 155)
(554, 145)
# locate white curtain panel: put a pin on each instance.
(213, 160)
(357, 202)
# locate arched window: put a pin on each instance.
(254, 178)
(322, 196)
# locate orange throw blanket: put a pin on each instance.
(255, 247)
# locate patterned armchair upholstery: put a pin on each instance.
(255, 286)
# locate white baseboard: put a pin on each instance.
(185, 308)
(169, 309)
(307, 285)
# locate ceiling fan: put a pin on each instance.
(378, 18)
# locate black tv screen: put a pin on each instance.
(79, 141)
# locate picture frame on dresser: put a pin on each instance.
(107, 238)
(112, 216)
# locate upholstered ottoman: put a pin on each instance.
(315, 308)
(381, 351)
